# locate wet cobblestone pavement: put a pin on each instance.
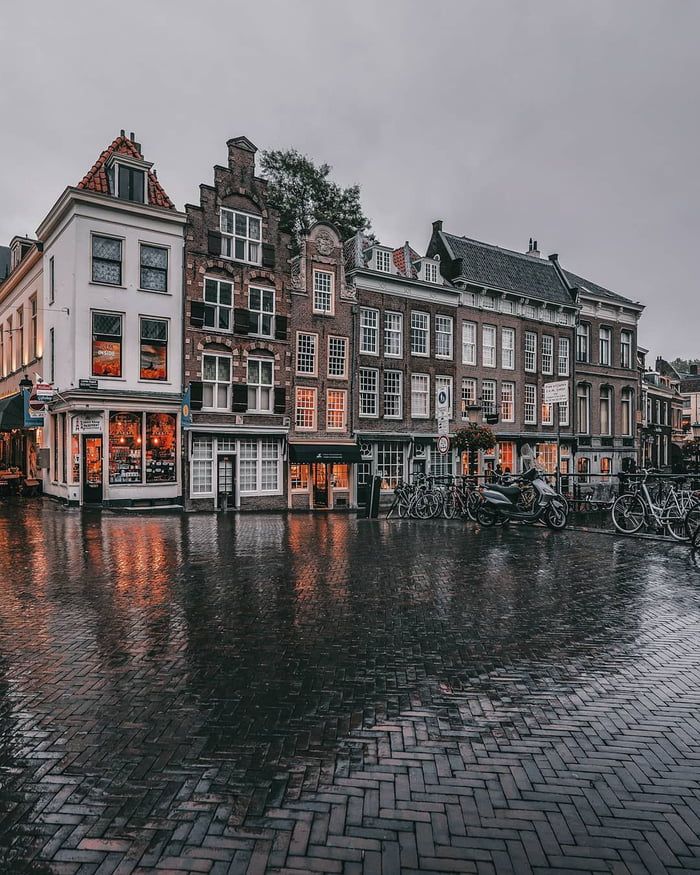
(321, 694)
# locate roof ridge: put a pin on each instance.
(523, 255)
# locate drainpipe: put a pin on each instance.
(574, 294)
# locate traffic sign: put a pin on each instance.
(556, 393)
(36, 405)
(443, 444)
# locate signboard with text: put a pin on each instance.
(87, 425)
(556, 393)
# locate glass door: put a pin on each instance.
(92, 469)
(320, 480)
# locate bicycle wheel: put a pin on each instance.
(675, 526)
(486, 515)
(434, 500)
(449, 506)
(472, 505)
(628, 514)
(692, 524)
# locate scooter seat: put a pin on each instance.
(509, 491)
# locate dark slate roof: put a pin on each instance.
(497, 268)
(4, 262)
(690, 383)
(595, 289)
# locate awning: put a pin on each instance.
(11, 412)
(308, 452)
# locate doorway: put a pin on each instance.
(92, 469)
(225, 482)
(319, 477)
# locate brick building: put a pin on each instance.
(237, 363)
(322, 448)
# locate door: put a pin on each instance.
(92, 469)
(225, 482)
(320, 482)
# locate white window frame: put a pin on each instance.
(369, 331)
(422, 331)
(393, 333)
(468, 397)
(626, 344)
(508, 349)
(604, 345)
(430, 272)
(197, 461)
(343, 410)
(260, 360)
(398, 377)
(313, 394)
(423, 392)
(488, 398)
(228, 238)
(344, 374)
(218, 306)
(313, 353)
(530, 404)
(564, 357)
(216, 383)
(382, 260)
(259, 460)
(330, 291)
(444, 336)
(547, 354)
(258, 314)
(563, 413)
(530, 362)
(371, 393)
(489, 353)
(507, 401)
(469, 347)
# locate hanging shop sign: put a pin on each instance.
(44, 392)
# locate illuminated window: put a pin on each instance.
(161, 448)
(154, 349)
(125, 448)
(305, 409)
(336, 409)
(106, 345)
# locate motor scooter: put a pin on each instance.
(500, 504)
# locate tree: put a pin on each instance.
(472, 439)
(683, 365)
(303, 194)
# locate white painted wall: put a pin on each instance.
(16, 294)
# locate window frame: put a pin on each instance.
(426, 378)
(216, 383)
(259, 314)
(489, 405)
(120, 240)
(366, 328)
(165, 270)
(330, 311)
(93, 313)
(467, 343)
(507, 331)
(259, 463)
(493, 330)
(313, 395)
(470, 398)
(396, 394)
(547, 354)
(425, 332)
(604, 345)
(507, 385)
(228, 238)
(218, 306)
(530, 404)
(530, 353)
(393, 332)
(567, 343)
(341, 393)
(448, 320)
(329, 357)
(374, 393)
(314, 354)
(155, 342)
(258, 387)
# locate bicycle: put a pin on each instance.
(666, 512)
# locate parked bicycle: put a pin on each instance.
(655, 506)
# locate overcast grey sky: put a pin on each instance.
(573, 122)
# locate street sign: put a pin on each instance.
(442, 410)
(443, 444)
(35, 404)
(87, 384)
(443, 425)
(44, 392)
(556, 393)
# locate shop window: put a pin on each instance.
(259, 466)
(299, 475)
(125, 449)
(506, 456)
(340, 476)
(202, 466)
(161, 447)
(106, 345)
(75, 458)
(390, 463)
(547, 456)
(441, 464)
(154, 349)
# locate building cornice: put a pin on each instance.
(20, 273)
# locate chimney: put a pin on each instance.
(532, 248)
(693, 370)
(437, 225)
(241, 159)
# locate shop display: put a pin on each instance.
(125, 450)
(161, 447)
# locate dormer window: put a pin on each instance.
(430, 272)
(131, 183)
(382, 260)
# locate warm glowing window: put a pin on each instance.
(154, 349)
(125, 448)
(106, 345)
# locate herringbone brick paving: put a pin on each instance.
(321, 694)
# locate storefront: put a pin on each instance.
(321, 475)
(115, 457)
(18, 443)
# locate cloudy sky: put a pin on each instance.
(573, 121)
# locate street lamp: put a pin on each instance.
(25, 383)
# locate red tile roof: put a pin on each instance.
(400, 260)
(96, 177)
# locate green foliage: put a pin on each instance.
(303, 193)
(683, 365)
(474, 437)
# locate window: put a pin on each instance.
(420, 331)
(336, 409)
(563, 318)
(338, 357)
(106, 260)
(582, 342)
(392, 395)
(506, 456)
(441, 464)
(261, 306)
(261, 393)
(369, 331)
(468, 395)
(488, 346)
(218, 301)
(508, 348)
(470, 299)
(382, 260)
(488, 302)
(2, 350)
(420, 396)
(430, 271)
(530, 351)
(627, 407)
(444, 383)
(106, 345)
(259, 466)
(35, 334)
(161, 448)
(563, 413)
(563, 357)
(468, 343)
(605, 469)
(305, 409)
(583, 408)
(369, 392)
(323, 291)
(625, 349)
(547, 354)
(241, 236)
(443, 337)
(507, 306)
(10, 345)
(547, 413)
(154, 268)
(529, 311)
(390, 458)
(548, 315)
(507, 402)
(154, 349)
(393, 331)
(125, 448)
(216, 377)
(604, 335)
(605, 410)
(299, 476)
(202, 465)
(52, 281)
(530, 404)
(19, 328)
(306, 353)
(130, 183)
(52, 354)
(488, 398)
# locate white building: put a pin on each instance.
(112, 301)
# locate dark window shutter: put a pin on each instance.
(240, 397)
(268, 255)
(241, 321)
(196, 395)
(197, 313)
(280, 327)
(280, 400)
(214, 243)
